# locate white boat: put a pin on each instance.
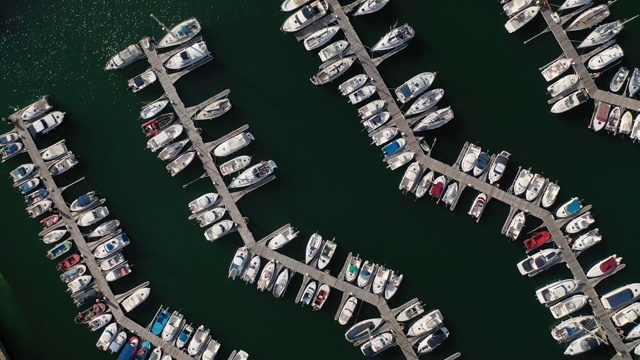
(620, 296)
(184, 336)
(634, 82)
(361, 329)
(84, 202)
(164, 137)
(209, 217)
(482, 162)
(365, 273)
(22, 172)
(105, 229)
(210, 351)
(605, 57)
(172, 150)
(635, 129)
(380, 280)
(321, 297)
(426, 324)
(320, 37)
(313, 246)
(514, 6)
(377, 344)
(539, 261)
(173, 326)
(309, 293)
(618, 79)
(470, 157)
(117, 343)
(376, 121)
(569, 208)
(156, 354)
(188, 56)
(583, 344)
(570, 4)
(238, 263)
(424, 184)
(602, 34)
(100, 321)
(79, 283)
(587, 240)
(434, 120)
(589, 18)
(516, 225)
(282, 238)
(568, 306)
(353, 84)
(410, 312)
(370, 6)
(112, 261)
(600, 115)
(235, 164)
(478, 206)
(522, 182)
(240, 355)
(214, 110)
(383, 135)
(394, 38)
(281, 283)
(580, 223)
(432, 341)
(521, 18)
(535, 187)
(414, 86)
(425, 102)
(326, 254)
(625, 123)
(117, 273)
(438, 186)
(450, 194)
(35, 110)
(234, 144)
(333, 70)
(107, 336)
(570, 101)
(54, 151)
(124, 58)
(254, 174)
(400, 159)
(550, 194)
(604, 266)
(251, 273)
(354, 267)
(562, 85)
(626, 315)
(613, 120)
(11, 137)
(371, 109)
(347, 310)
(305, 16)
(362, 94)
(204, 202)
(571, 328)
(198, 341)
(93, 216)
(141, 81)
(411, 177)
(46, 124)
(290, 5)
(64, 164)
(181, 162)
(333, 50)
(180, 33)
(392, 285)
(556, 68)
(556, 291)
(54, 236)
(497, 168)
(219, 230)
(135, 299)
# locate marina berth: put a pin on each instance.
(153, 109)
(333, 70)
(539, 261)
(634, 333)
(266, 276)
(411, 177)
(129, 348)
(67, 263)
(36, 196)
(587, 240)
(556, 291)
(569, 208)
(320, 37)
(432, 341)
(180, 33)
(184, 336)
(160, 321)
(570, 4)
(380, 280)
(305, 16)
(568, 306)
(535, 187)
(154, 126)
(309, 293)
(605, 57)
(589, 18)
(198, 341)
(254, 174)
(514, 6)
(395, 38)
(481, 164)
(376, 121)
(614, 119)
(414, 86)
(105, 229)
(370, 6)
(84, 202)
(119, 272)
(234, 165)
(164, 137)
(365, 274)
(93, 216)
(73, 273)
(625, 123)
(124, 58)
(521, 18)
(188, 56)
(377, 344)
(313, 246)
(100, 321)
(478, 206)
(11, 150)
(107, 336)
(210, 351)
(600, 116)
(39, 208)
(9, 138)
(620, 296)
(393, 147)
(425, 102)
(362, 329)
(251, 273)
(111, 246)
(282, 238)
(321, 296)
(383, 135)
(619, 79)
(371, 109)
(450, 194)
(426, 324)
(399, 160)
(46, 124)
(60, 249)
(79, 283)
(571, 328)
(234, 144)
(214, 110)
(437, 188)
(64, 164)
(570, 101)
(627, 315)
(326, 254)
(54, 151)
(347, 310)
(142, 81)
(556, 68)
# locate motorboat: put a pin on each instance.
(67, 263)
(141, 81)
(393, 147)
(424, 184)
(410, 312)
(432, 341)
(156, 354)
(614, 119)
(380, 280)
(569, 208)
(254, 174)
(204, 202)
(251, 273)
(219, 230)
(50, 222)
(399, 160)
(129, 348)
(8, 138)
(107, 336)
(635, 129)
(580, 223)
(181, 162)
(153, 109)
(313, 246)
(22, 172)
(282, 238)
(73, 273)
(39, 208)
(587, 240)
(60, 249)
(35, 110)
(470, 157)
(426, 324)
(434, 120)
(514, 6)
(305, 16)
(377, 344)
(634, 83)
(124, 58)
(570, 4)
(365, 273)
(605, 57)
(333, 70)
(233, 144)
(321, 297)
(550, 194)
(93, 216)
(188, 56)
(152, 127)
(320, 37)
(583, 344)
(112, 261)
(210, 216)
(481, 164)
(602, 34)
(478, 206)
(79, 283)
(568, 306)
(516, 225)
(86, 297)
(111, 246)
(326, 254)
(164, 137)
(84, 202)
(600, 116)
(184, 336)
(556, 68)
(589, 18)
(119, 272)
(54, 151)
(383, 135)
(571, 328)
(371, 109)
(290, 5)
(172, 150)
(395, 38)
(361, 329)
(535, 187)
(521, 18)
(160, 321)
(235, 164)
(627, 315)
(634, 333)
(450, 194)
(556, 291)
(100, 321)
(618, 79)
(411, 177)
(537, 240)
(625, 123)
(370, 6)
(239, 261)
(174, 325)
(91, 313)
(210, 351)
(425, 102)
(539, 261)
(376, 121)
(353, 84)
(266, 276)
(180, 33)
(414, 86)
(362, 94)
(562, 85)
(135, 299)
(240, 355)
(198, 341)
(570, 101)
(333, 50)
(620, 296)
(64, 164)
(352, 270)
(392, 285)
(105, 229)
(347, 310)
(214, 110)
(497, 168)
(438, 186)
(604, 266)
(38, 196)
(11, 150)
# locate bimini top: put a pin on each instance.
(138, 80)
(573, 206)
(84, 200)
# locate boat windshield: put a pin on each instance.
(309, 12)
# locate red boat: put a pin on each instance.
(437, 187)
(536, 240)
(89, 314)
(154, 126)
(68, 262)
(50, 221)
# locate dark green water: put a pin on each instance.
(329, 179)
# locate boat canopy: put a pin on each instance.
(138, 80)
(620, 298)
(573, 206)
(84, 200)
(184, 30)
(109, 246)
(406, 91)
(609, 265)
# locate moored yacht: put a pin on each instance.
(587, 240)
(514, 6)
(34, 110)
(556, 68)
(556, 291)
(210, 216)
(634, 82)
(320, 37)
(321, 296)
(313, 246)
(376, 121)
(198, 341)
(537, 240)
(614, 119)
(184, 336)
(410, 312)
(333, 50)
(383, 135)
(434, 119)
(93, 216)
(521, 18)
(522, 182)
(570, 101)
(214, 110)
(583, 344)
(236, 164)
(498, 167)
(438, 186)
(180, 163)
(602, 34)
(309, 293)
(573, 327)
(516, 225)
(411, 177)
(605, 57)
(432, 341)
(394, 38)
(570, 4)
(604, 266)
(478, 206)
(580, 223)
(627, 315)
(380, 280)
(426, 324)
(365, 273)
(424, 184)
(180, 33)
(305, 16)
(172, 150)
(326, 254)
(266, 276)
(550, 194)
(451, 193)
(568, 306)
(562, 85)
(371, 109)
(333, 70)
(135, 299)
(152, 109)
(282, 238)
(251, 273)
(620, 296)
(398, 160)
(470, 157)
(481, 163)
(164, 137)
(239, 260)
(539, 261)
(589, 18)
(347, 310)
(143, 80)
(362, 94)
(625, 123)
(254, 174)
(354, 267)
(233, 144)
(370, 6)
(290, 5)
(362, 329)
(569, 208)
(219, 230)
(618, 79)
(392, 285)
(124, 57)
(535, 187)
(377, 344)
(353, 84)
(414, 86)
(425, 102)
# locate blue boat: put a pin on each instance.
(29, 185)
(569, 208)
(361, 329)
(394, 147)
(129, 348)
(160, 322)
(36, 196)
(620, 296)
(144, 351)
